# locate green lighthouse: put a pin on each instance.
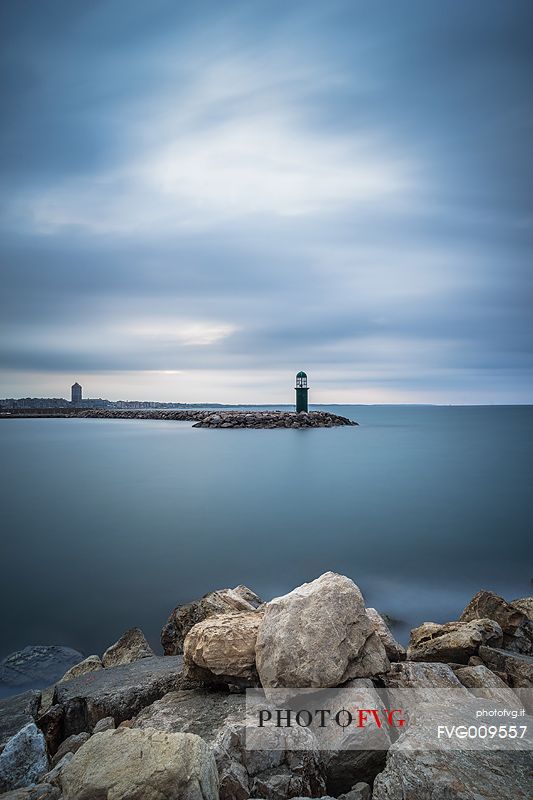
(301, 392)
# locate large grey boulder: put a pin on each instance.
(129, 764)
(453, 642)
(132, 646)
(417, 772)
(221, 648)
(516, 626)
(16, 712)
(23, 759)
(37, 666)
(318, 635)
(118, 692)
(395, 651)
(184, 617)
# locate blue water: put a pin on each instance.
(108, 524)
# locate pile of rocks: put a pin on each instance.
(202, 418)
(131, 725)
(272, 419)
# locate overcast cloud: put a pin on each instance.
(200, 199)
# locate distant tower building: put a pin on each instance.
(301, 392)
(75, 393)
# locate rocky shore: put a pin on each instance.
(131, 725)
(201, 418)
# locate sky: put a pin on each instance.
(199, 199)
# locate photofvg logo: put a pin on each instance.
(362, 717)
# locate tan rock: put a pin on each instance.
(515, 623)
(132, 764)
(525, 605)
(132, 646)
(318, 635)
(89, 664)
(222, 648)
(185, 617)
(395, 651)
(454, 641)
(487, 684)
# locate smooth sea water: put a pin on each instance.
(108, 524)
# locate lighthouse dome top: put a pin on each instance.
(301, 374)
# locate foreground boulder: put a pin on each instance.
(222, 649)
(23, 760)
(37, 666)
(516, 627)
(184, 617)
(132, 646)
(128, 764)
(453, 642)
(318, 635)
(118, 692)
(394, 650)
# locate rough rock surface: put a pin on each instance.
(37, 666)
(43, 791)
(274, 774)
(395, 651)
(54, 775)
(198, 711)
(487, 684)
(118, 692)
(219, 718)
(525, 605)
(454, 641)
(318, 635)
(418, 675)
(184, 617)
(70, 745)
(89, 664)
(515, 624)
(414, 772)
(15, 713)
(347, 762)
(222, 648)
(518, 668)
(132, 646)
(105, 724)
(128, 764)
(272, 419)
(23, 760)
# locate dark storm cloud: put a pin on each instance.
(249, 186)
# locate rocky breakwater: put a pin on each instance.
(272, 419)
(200, 418)
(127, 724)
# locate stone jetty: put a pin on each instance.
(201, 418)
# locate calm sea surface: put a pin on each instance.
(110, 524)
